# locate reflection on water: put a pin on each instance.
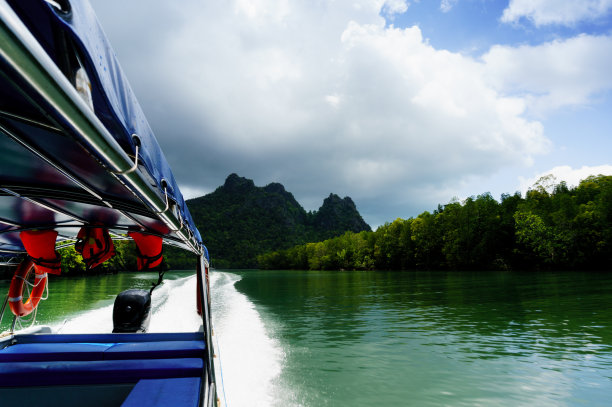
(387, 338)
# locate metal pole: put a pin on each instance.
(26, 56)
(207, 323)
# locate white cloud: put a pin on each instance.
(190, 192)
(263, 11)
(562, 12)
(572, 176)
(447, 5)
(393, 7)
(333, 100)
(556, 74)
(321, 96)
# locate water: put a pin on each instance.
(293, 338)
(85, 305)
(427, 339)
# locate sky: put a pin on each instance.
(401, 105)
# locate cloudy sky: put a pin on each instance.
(399, 104)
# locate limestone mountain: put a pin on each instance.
(239, 220)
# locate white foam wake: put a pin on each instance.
(173, 308)
(250, 360)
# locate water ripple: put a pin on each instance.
(429, 339)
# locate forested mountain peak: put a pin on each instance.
(239, 220)
(275, 187)
(236, 182)
(339, 215)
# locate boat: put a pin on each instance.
(80, 166)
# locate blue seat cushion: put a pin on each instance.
(157, 350)
(50, 373)
(42, 352)
(183, 392)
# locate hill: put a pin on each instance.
(239, 221)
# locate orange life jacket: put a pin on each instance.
(95, 245)
(40, 245)
(148, 249)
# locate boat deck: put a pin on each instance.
(103, 369)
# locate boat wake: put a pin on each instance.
(249, 360)
(170, 313)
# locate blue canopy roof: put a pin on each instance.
(66, 161)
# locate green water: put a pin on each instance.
(72, 296)
(437, 339)
(297, 338)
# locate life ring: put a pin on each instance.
(18, 306)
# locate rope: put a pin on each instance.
(61, 327)
(221, 370)
(33, 285)
(27, 320)
(46, 295)
(159, 280)
(30, 284)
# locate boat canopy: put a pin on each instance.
(75, 147)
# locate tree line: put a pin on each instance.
(551, 227)
(72, 262)
(125, 260)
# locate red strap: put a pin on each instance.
(40, 245)
(148, 249)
